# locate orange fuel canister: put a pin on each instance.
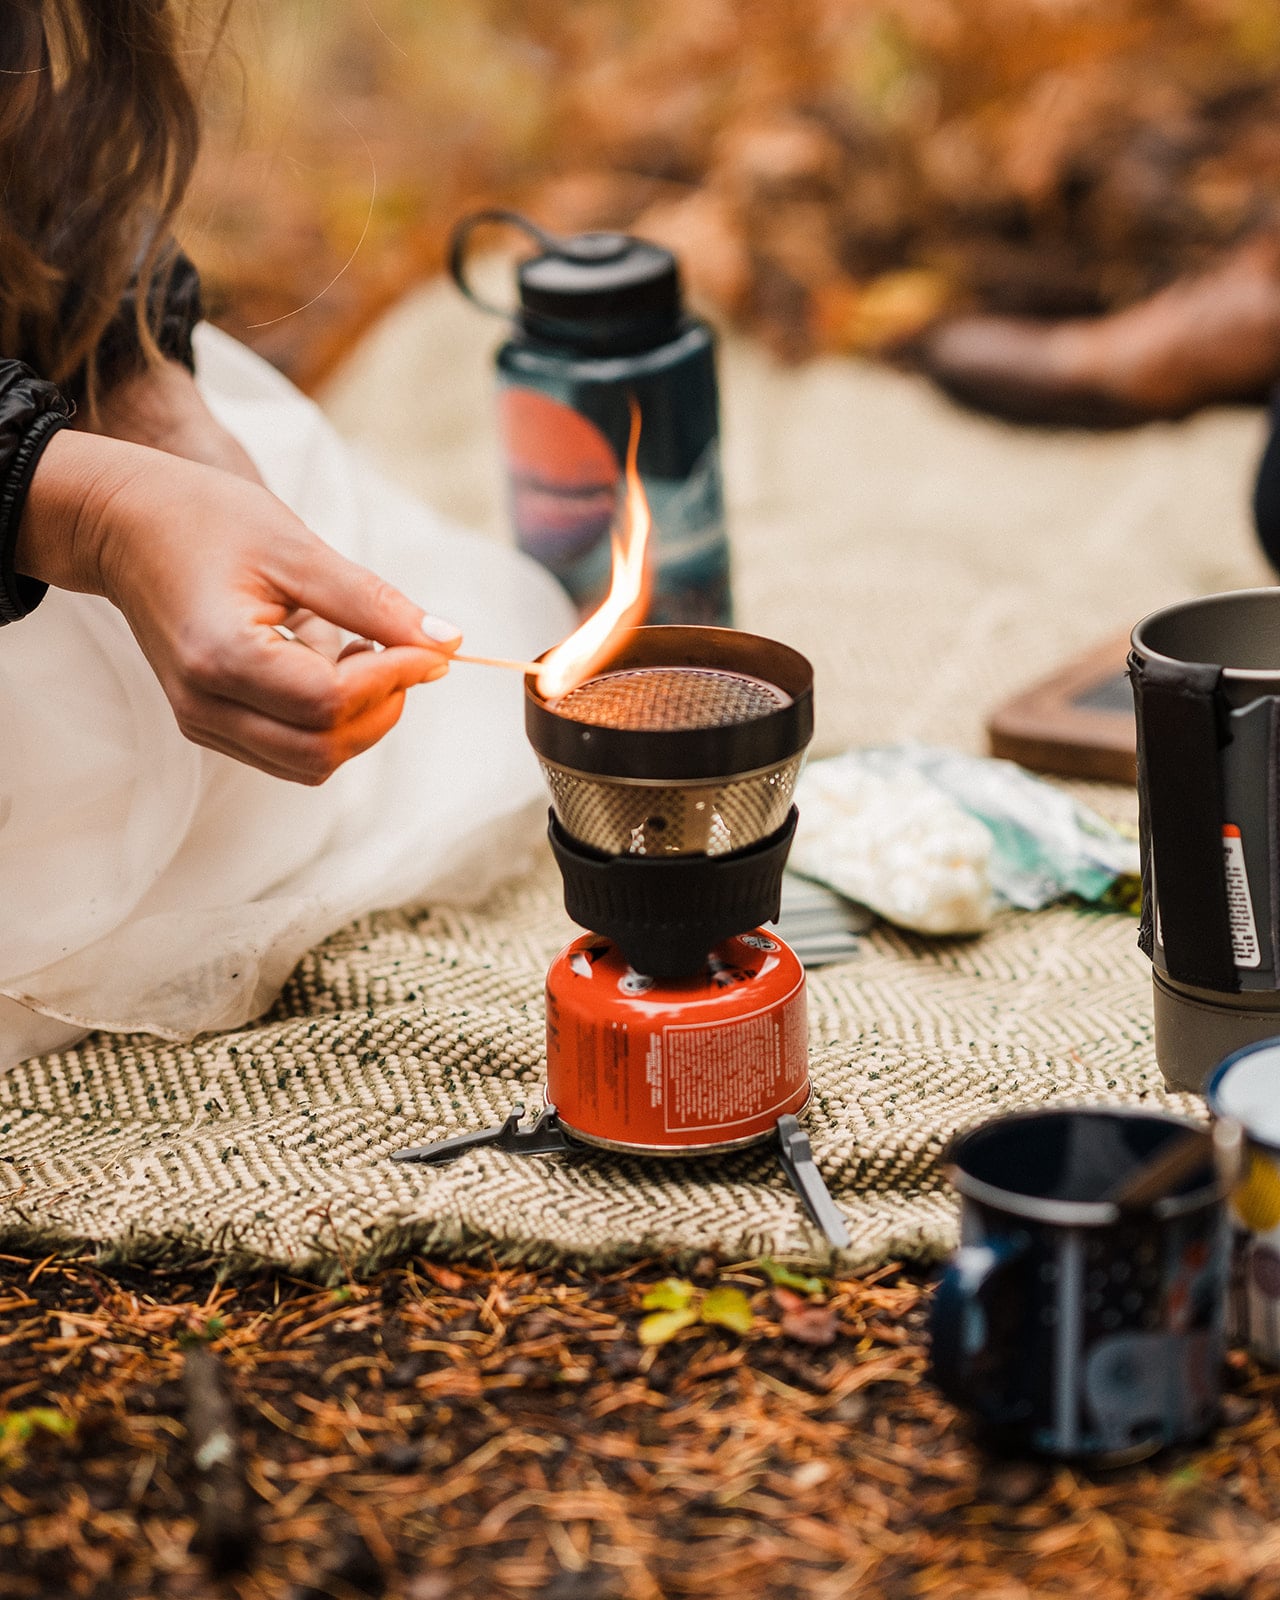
(704, 1063)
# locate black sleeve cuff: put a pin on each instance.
(31, 412)
(174, 307)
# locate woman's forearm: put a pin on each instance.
(81, 471)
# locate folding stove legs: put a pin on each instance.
(544, 1136)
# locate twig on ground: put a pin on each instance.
(226, 1530)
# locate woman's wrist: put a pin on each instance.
(68, 510)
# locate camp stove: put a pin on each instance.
(677, 1025)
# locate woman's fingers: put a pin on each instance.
(287, 681)
(298, 754)
(316, 632)
(354, 598)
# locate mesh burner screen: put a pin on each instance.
(664, 699)
(655, 819)
(690, 744)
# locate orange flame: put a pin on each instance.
(600, 637)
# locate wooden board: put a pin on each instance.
(1076, 723)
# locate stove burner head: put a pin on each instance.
(671, 779)
(690, 744)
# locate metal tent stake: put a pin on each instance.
(545, 1136)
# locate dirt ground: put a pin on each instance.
(447, 1432)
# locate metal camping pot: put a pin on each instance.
(1206, 681)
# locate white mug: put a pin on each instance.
(1246, 1087)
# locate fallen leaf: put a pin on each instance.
(784, 1277)
(728, 1307)
(672, 1294)
(18, 1427)
(663, 1326)
(812, 1325)
(878, 315)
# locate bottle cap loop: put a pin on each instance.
(461, 238)
(601, 292)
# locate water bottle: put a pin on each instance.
(600, 325)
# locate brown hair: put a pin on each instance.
(98, 136)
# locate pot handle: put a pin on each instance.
(975, 1327)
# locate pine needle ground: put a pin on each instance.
(449, 1431)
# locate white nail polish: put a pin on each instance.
(440, 632)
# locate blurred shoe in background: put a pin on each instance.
(1205, 339)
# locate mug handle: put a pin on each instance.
(960, 1324)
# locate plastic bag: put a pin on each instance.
(937, 841)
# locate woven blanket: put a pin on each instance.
(929, 563)
(273, 1143)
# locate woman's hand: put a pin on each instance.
(205, 566)
(161, 406)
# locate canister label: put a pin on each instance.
(714, 1076)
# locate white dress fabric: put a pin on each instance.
(149, 885)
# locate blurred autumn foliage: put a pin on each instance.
(833, 173)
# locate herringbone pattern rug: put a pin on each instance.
(929, 564)
(272, 1143)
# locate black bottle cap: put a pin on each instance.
(601, 291)
(598, 293)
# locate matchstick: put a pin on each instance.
(498, 661)
(368, 644)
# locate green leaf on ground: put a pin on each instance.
(662, 1326)
(785, 1278)
(17, 1427)
(672, 1294)
(213, 1329)
(728, 1308)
